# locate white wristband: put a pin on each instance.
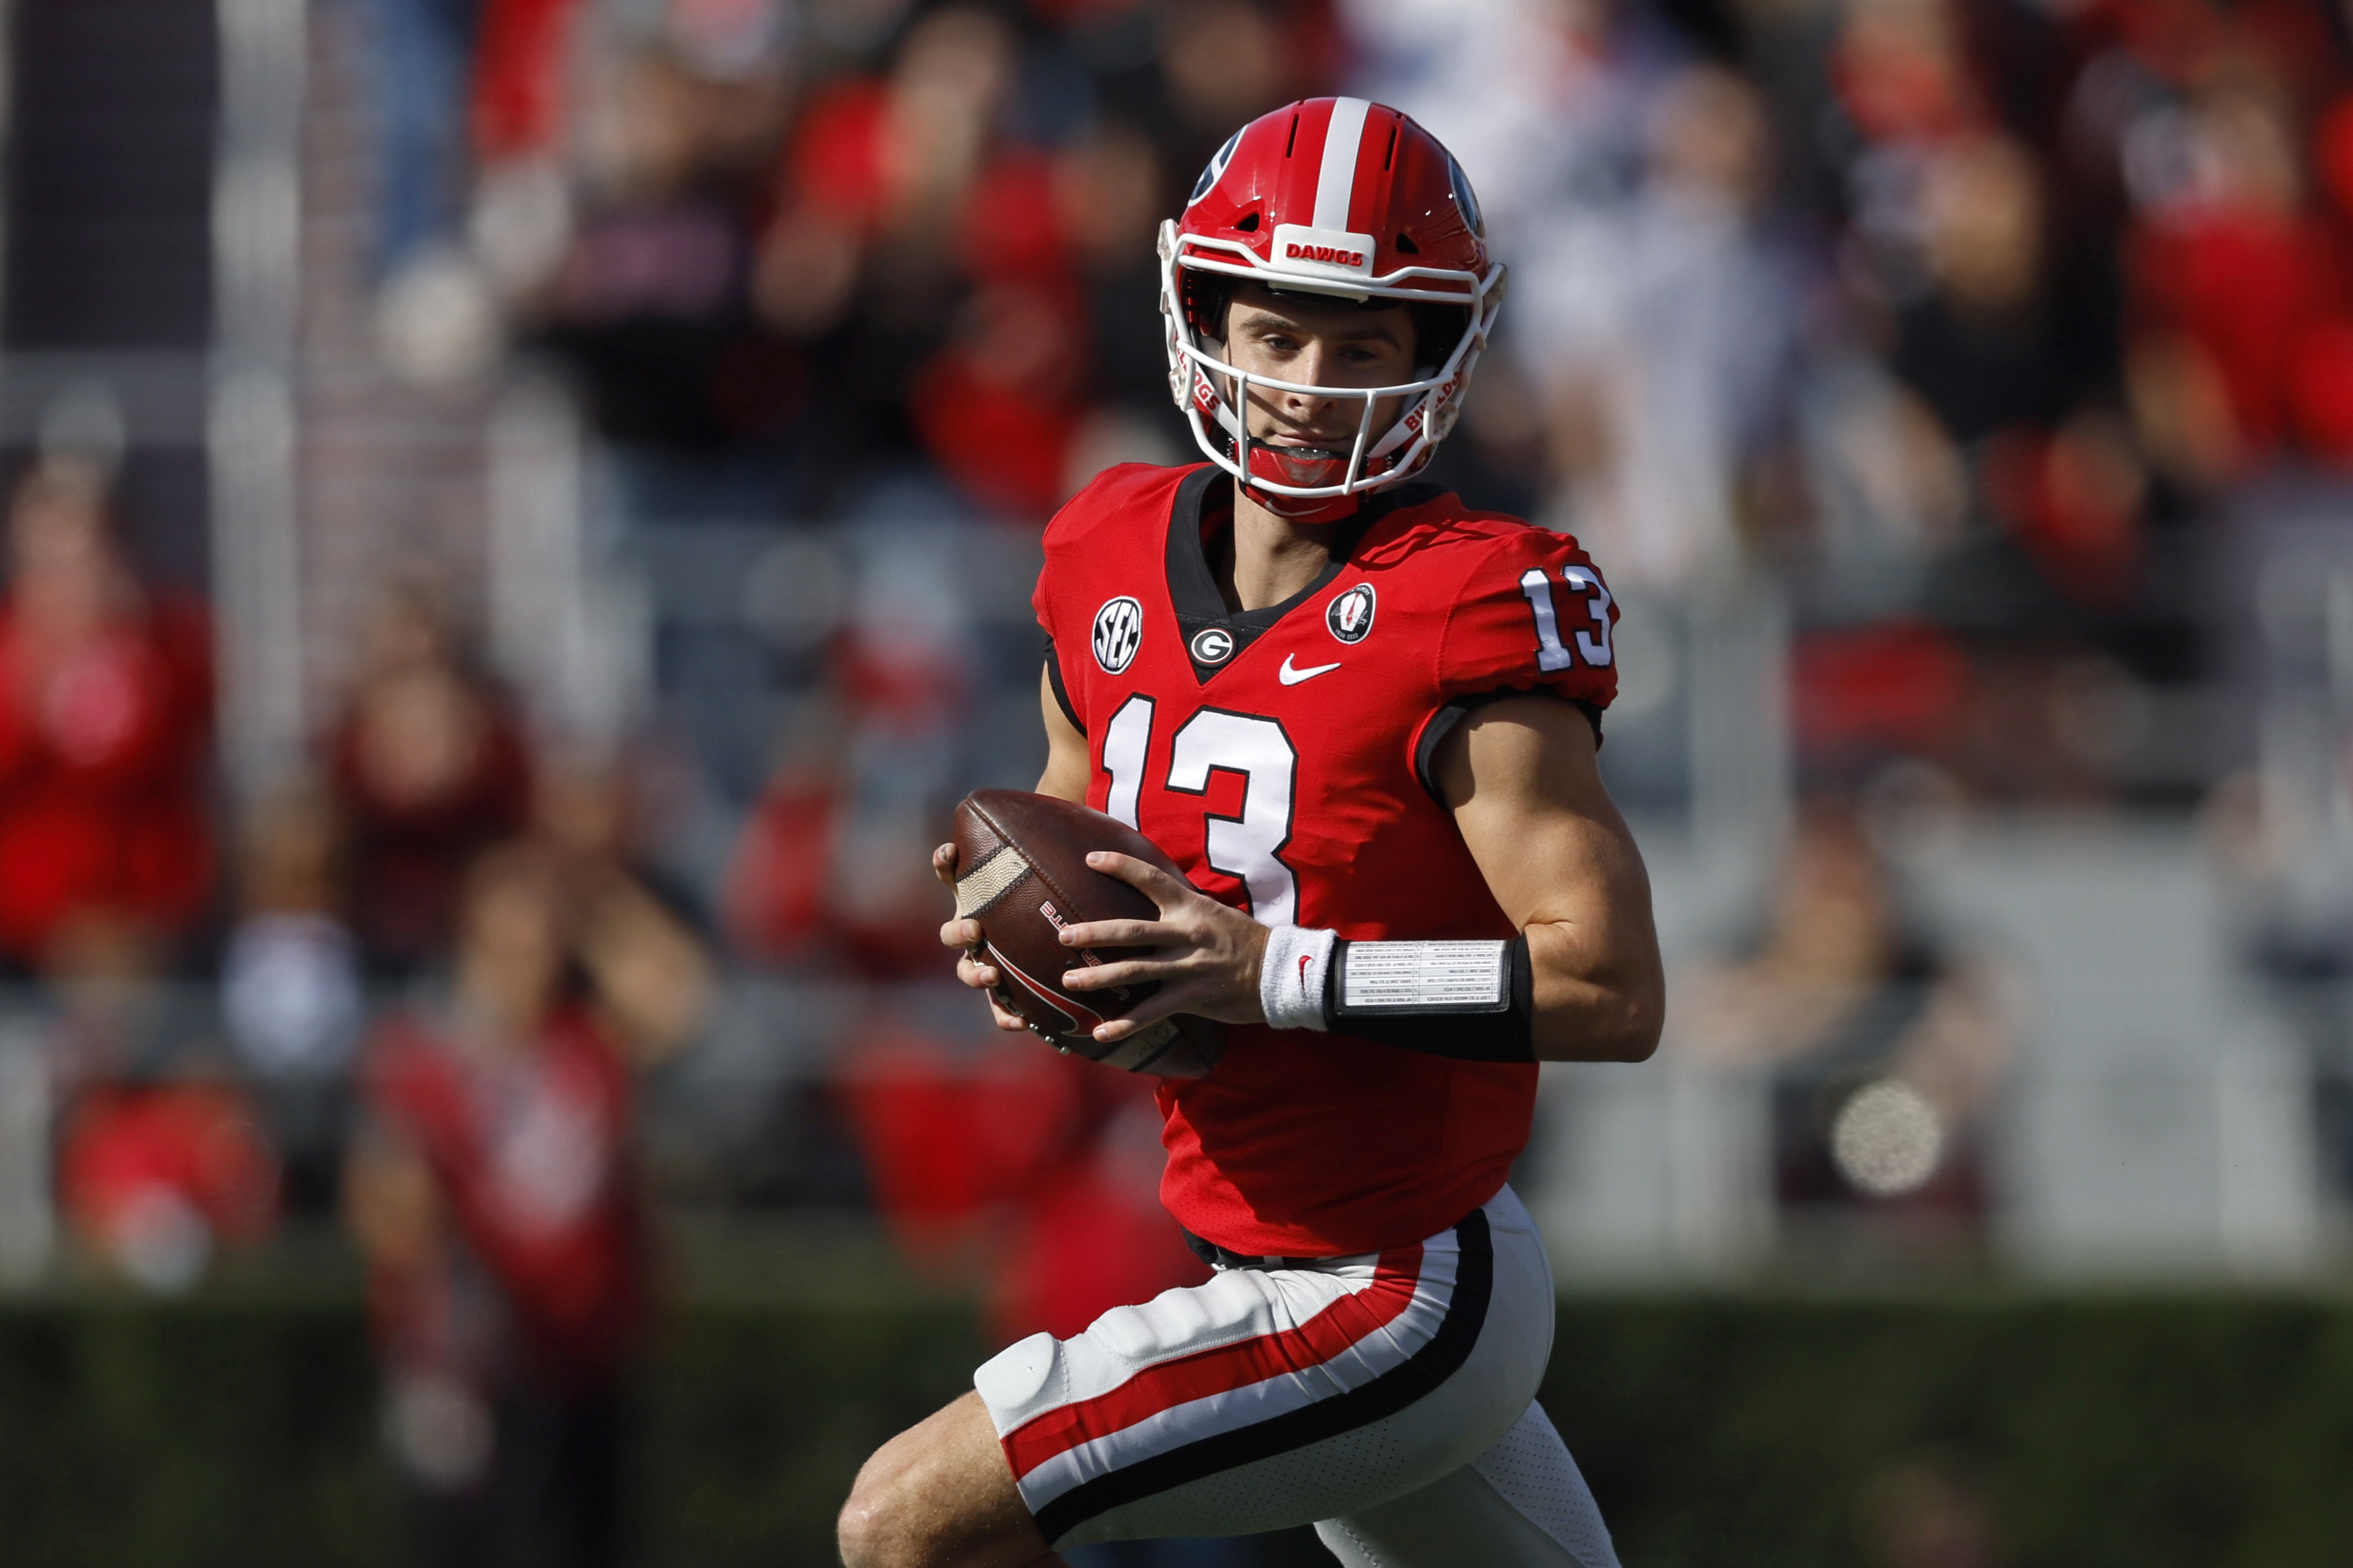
(1291, 984)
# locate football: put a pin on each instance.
(1021, 871)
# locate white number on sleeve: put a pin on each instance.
(1550, 654)
(1593, 647)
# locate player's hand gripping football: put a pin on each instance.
(1205, 955)
(964, 935)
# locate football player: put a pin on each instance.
(1363, 717)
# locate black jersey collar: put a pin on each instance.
(1202, 618)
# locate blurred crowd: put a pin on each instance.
(1955, 321)
(1953, 329)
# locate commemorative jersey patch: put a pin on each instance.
(1119, 632)
(1350, 616)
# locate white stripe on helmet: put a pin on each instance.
(1335, 183)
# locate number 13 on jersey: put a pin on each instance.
(1593, 647)
(1246, 847)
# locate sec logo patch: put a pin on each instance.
(1350, 616)
(1119, 632)
(1212, 644)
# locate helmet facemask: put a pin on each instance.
(1213, 393)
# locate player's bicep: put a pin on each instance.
(1066, 748)
(1523, 779)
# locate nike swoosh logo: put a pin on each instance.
(1290, 677)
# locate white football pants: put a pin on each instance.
(1387, 1398)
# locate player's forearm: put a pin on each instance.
(1594, 1002)
(1561, 862)
(1556, 993)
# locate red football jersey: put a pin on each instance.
(1280, 756)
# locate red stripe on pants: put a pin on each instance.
(1223, 1369)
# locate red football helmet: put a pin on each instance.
(1342, 197)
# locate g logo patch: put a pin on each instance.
(1350, 616)
(1119, 632)
(1212, 644)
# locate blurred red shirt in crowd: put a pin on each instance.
(106, 695)
(522, 48)
(155, 1174)
(905, 182)
(820, 875)
(2236, 261)
(493, 1188)
(527, 1153)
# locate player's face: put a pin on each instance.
(1317, 344)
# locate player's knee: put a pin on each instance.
(880, 1526)
(863, 1530)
